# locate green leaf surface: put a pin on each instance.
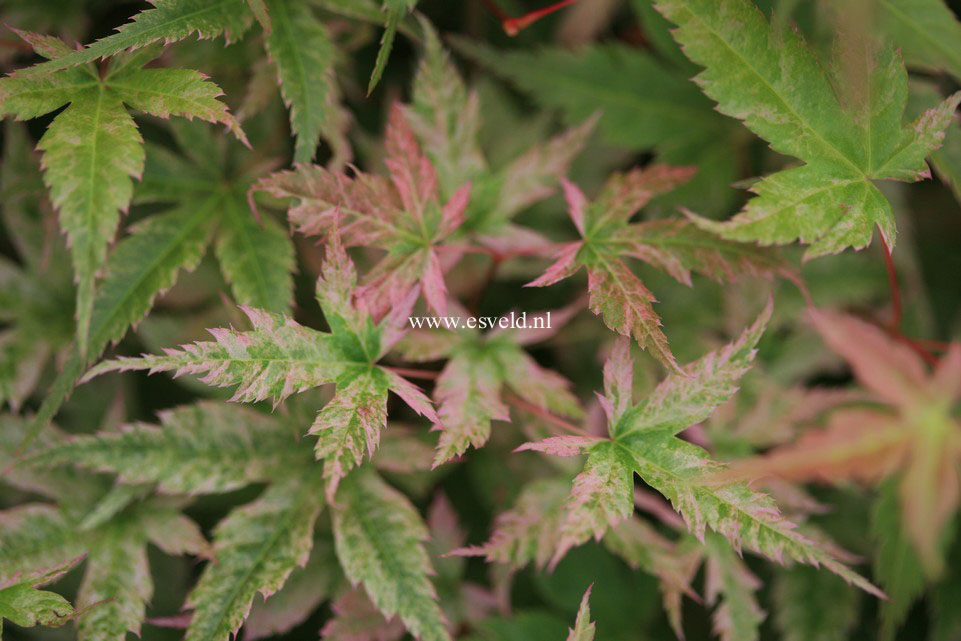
(772, 81)
(168, 21)
(257, 547)
(379, 538)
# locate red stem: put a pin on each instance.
(424, 374)
(894, 327)
(13, 44)
(547, 416)
(513, 26)
(895, 288)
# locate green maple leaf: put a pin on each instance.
(257, 546)
(480, 368)
(677, 247)
(646, 103)
(814, 605)
(923, 29)
(26, 606)
(643, 441)
(207, 448)
(379, 538)
(769, 79)
(279, 357)
(209, 204)
(110, 524)
(92, 150)
(295, 39)
(36, 295)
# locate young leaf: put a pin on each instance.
(682, 471)
(583, 629)
(480, 367)
(257, 547)
(676, 247)
(915, 442)
(446, 118)
(830, 202)
(279, 357)
(379, 538)
(401, 215)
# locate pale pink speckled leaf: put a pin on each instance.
(564, 445)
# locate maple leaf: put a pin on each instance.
(201, 448)
(36, 293)
(814, 605)
(379, 535)
(295, 39)
(112, 525)
(209, 204)
(674, 246)
(400, 214)
(529, 531)
(394, 10)
(647, 103)
(208, 448)
(830, 202)
(480, 368)
(256, 259)
(26, 606)
(920, 27)
(356, 619)
(305, 589)
(583, 629)
(643, 440)
(446, 117)
(279, 357)
(257, 546)
(92, 150)
(915, 438)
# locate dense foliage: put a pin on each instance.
(733, 411)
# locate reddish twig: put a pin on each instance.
(424, 374)
(895, 288)
(547, 416)
(14, 44)
(513, 26)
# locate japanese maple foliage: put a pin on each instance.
(469, 359)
